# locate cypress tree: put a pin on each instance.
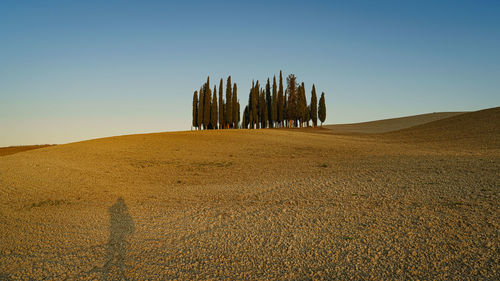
(292, 99)
(250, 120)
(235, 107)
(207, 107)
(263, 109)
(213, 112)
(300, 107)
(201, 101)
(266, 118)
(303, 106)
(308, 115)
(195, 110)
(229, 103)
(274, 116)
(221, 107)
(322, 109)
(269, 104)
(281, 102)
(237, 121)
(250, 97)
(314, 107)
(249, 106)
(255, 102)
(245, 121)
(285, 109)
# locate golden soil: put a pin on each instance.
(258, 204)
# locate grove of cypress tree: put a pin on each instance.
(201, 102)
(213, 113)
(274, 101)
(207, 107)
(235, 118)
(281, 102)
(268, 107)
(221, 107)
(322, 109)
(314, 107)
(195, 110)
(229, 103)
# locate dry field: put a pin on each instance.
(420, 203)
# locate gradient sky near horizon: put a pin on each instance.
(76, 70)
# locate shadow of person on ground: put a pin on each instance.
(120, 226)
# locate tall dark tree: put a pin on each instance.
(221, 106)
(292, 99)
(298, 105)
(250, 106)
(308, 114)
(229, 103)
(213, 113)
(255, 103)
(301, 107)
(285, 110)
(269, 104)
(274, 116)
(201, 111)
(322, 109)
(304, 112)
(263, 110)
(237, 117)
(281, 102)
(195, 109)
(314, 107)
(207, 107)
(235, 107)
(245, 120)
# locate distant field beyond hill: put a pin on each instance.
(480, 129)
(389, 125)
(16, 149)
(418, 203)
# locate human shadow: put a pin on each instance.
(120, 226)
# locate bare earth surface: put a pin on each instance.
(420, 203)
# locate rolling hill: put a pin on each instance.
(257, 204)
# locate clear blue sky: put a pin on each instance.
(74, 70)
